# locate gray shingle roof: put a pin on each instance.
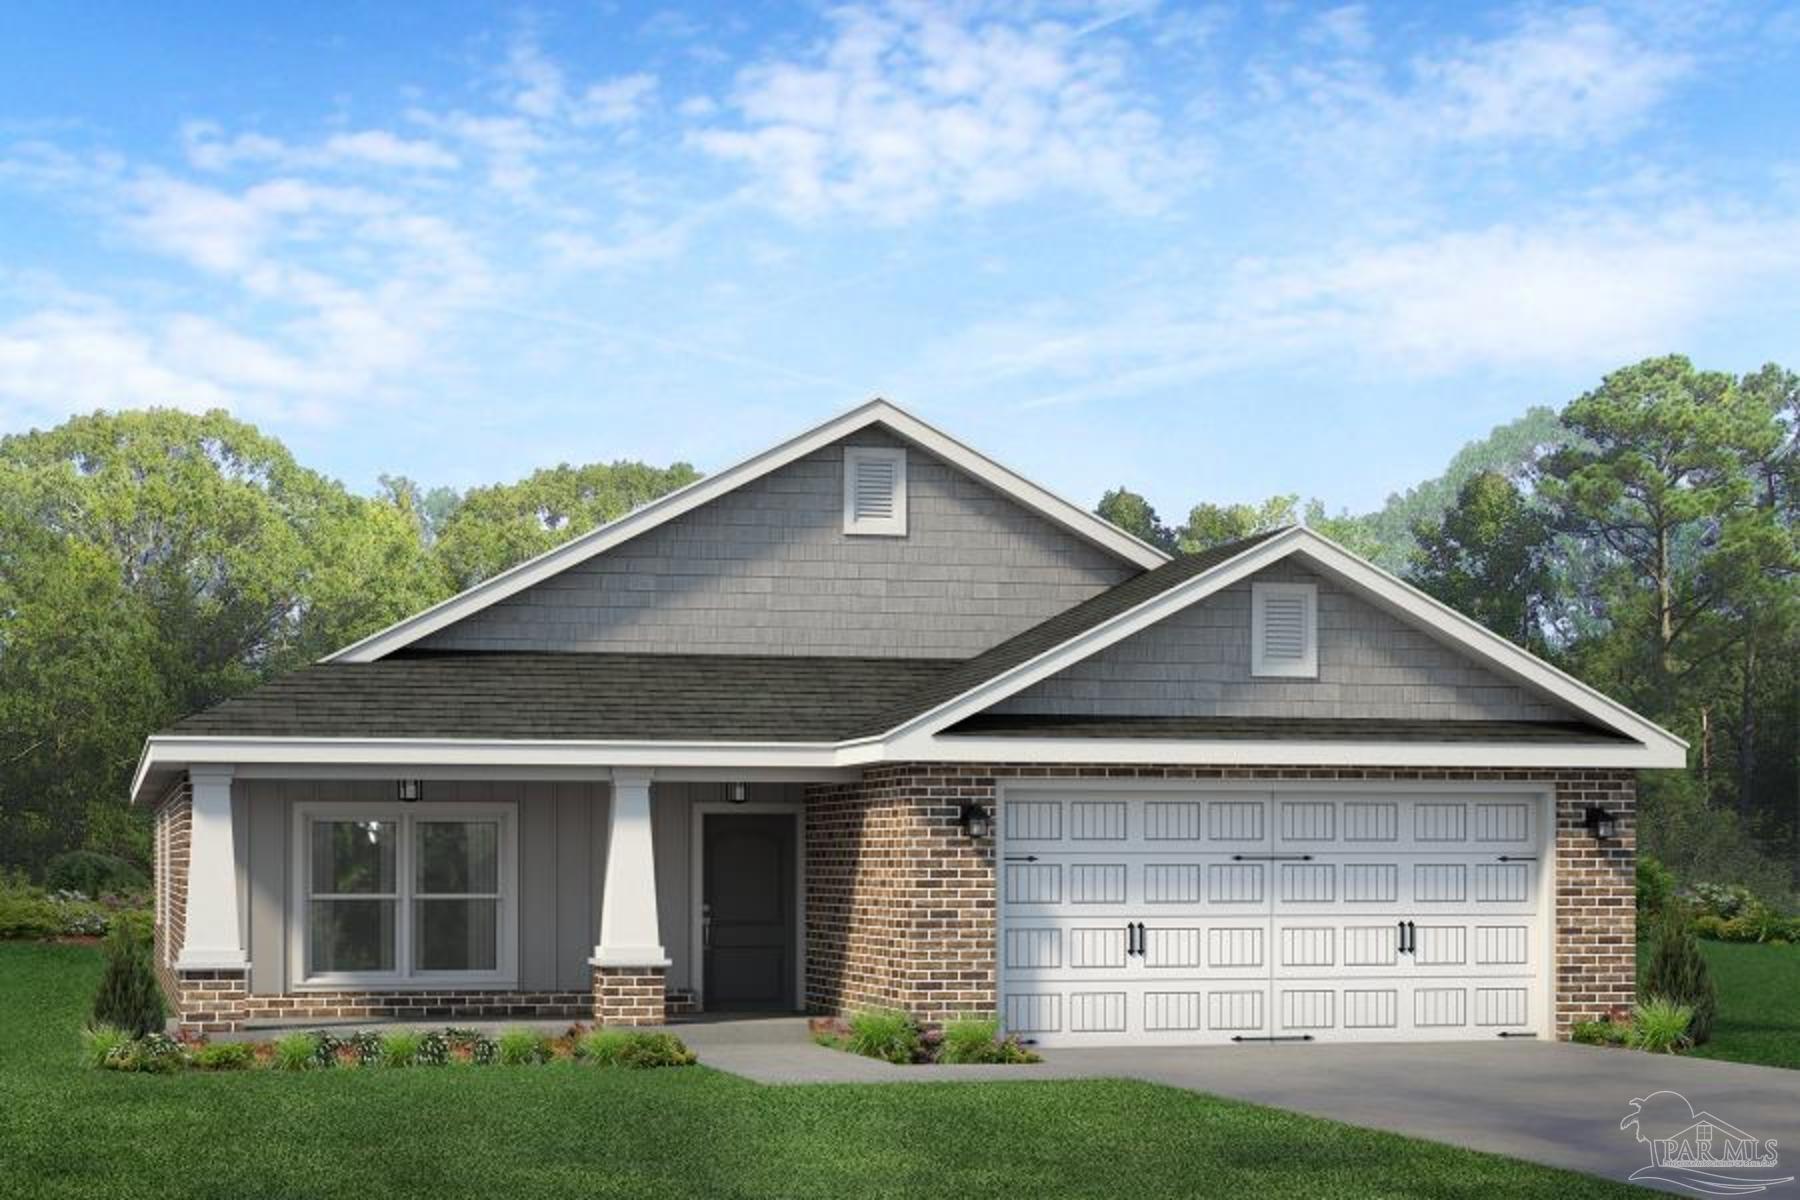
(1301, 729)
(587, 697)
(760, 698)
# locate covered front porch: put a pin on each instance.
(623, 895)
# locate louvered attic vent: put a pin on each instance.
(1284, 630)
(875, 490)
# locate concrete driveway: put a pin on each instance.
(1551, 1103)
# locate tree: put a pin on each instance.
(1511, 450)
(1662, 478)
(429, 508)
(157, 562)
(1132, 513)
(497, 527)
(1487, 558)
(1211, 525)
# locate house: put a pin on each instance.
(870, 720)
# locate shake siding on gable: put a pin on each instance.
(768, 569)
(1197, 663)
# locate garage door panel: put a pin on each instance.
(1270, 915)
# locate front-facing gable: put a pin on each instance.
(783, 575)
(1371, 665)
(769, 568)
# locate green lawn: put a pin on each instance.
(568, 1130)
(1759, 1003)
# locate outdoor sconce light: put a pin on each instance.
(975, 821)
(739, 793)
(411, 790)
(1602, 824)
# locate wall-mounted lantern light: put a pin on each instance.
(411, 790)
(739, 793)
(975, 821)
(1602, 824)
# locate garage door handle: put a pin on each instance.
(1408, 938)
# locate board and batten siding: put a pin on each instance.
(1197, 663)
(768, 569)
(561, 837)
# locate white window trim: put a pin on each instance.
(894, 526)
(1308, 666)
(506, 972)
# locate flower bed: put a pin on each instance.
(319, 1050)
(895, 1037)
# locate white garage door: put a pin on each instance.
(1192, 917)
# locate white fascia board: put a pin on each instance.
(1072, 517)
(1400, 597)
(1221, 753)
(184, 753)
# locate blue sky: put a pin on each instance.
(1212, 251)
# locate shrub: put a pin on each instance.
(1712, 927)
(155, 1053)
(99, 1041)
(224, 1056)
(887, 1034)
(129, 996)
(296, 1052)
(28, 914)
(363, 1048)
(523, 1047)
(92, 874)
(469, 1046)
(978, 1040)
(1661, 1026)
(400, 1048)
(1655, 886)
(1722, 899)
(433, 1050)
(634, 1048)
(1601, 1033)
(1678, 973)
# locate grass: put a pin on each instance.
(1759, 1003)
(563, 1129)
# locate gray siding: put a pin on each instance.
(768, 569)
(561, 833)
(1197, 663)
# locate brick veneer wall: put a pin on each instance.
(629, 996)
(171, 827)
(901, 907)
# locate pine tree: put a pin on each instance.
(129, 997)
(1678, 972)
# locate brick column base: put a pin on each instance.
(209, 1001)
(629, 996)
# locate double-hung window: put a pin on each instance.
(402, 895)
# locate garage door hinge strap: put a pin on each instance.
(1271, 858)
(1273, 1037)
(1510, 1033)
(1518, 858)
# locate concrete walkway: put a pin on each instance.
(1550, 1103)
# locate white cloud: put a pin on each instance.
(615, 101)
(1591, 290)
(1574, 77)
(209, 150)
(907, 110)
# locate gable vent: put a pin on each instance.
(875, 490)
(1284, 629)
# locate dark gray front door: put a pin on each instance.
(749, 914)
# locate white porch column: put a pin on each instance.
(213, 939)
(629, 936)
